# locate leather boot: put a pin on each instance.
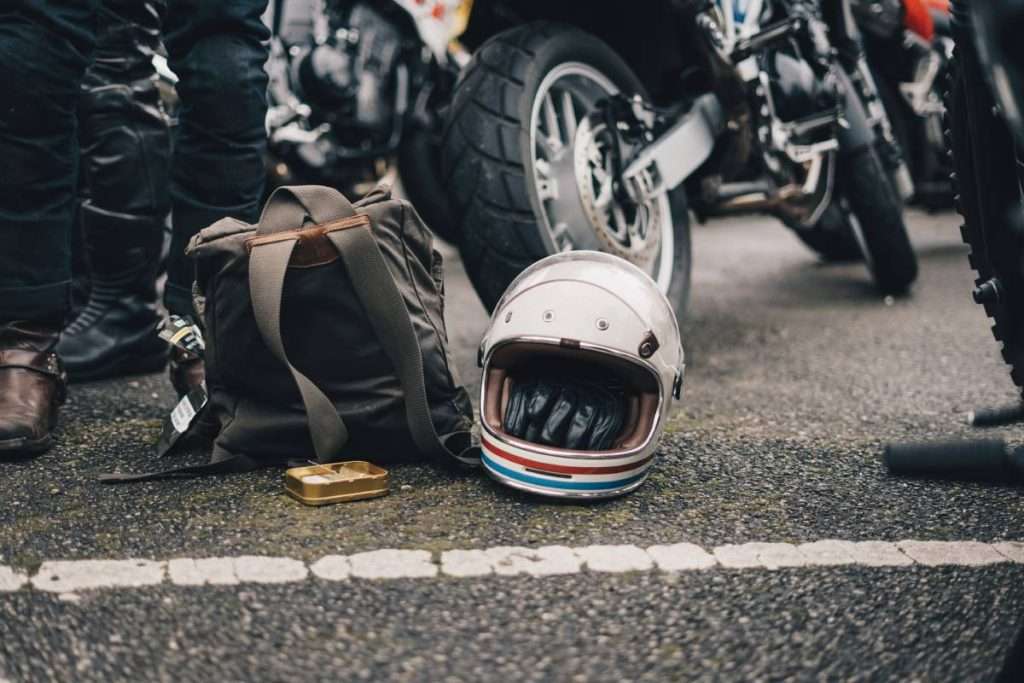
(116, 333)
(32, 388)
(125, 153)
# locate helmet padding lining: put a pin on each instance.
(634, 388)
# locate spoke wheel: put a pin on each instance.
(527, 161)
(574, 176)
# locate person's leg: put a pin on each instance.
(45, 46)
(125, 139)
(218, 49)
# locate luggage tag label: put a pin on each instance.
(181, 418)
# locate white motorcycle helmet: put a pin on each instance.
(581, 363)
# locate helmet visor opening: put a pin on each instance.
(581, 401)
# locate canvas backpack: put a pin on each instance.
(326, 337)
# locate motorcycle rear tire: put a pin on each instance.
(877, 220)
(832, 237)
(419, 165)
(486, 155)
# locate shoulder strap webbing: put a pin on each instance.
(268, 264)
(389, 317)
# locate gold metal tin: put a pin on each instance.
(336, 482)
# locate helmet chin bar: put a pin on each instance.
(553, 470)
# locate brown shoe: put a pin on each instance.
(33, 385)
(187, 371)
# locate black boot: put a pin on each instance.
(116, 333)
(125, 151)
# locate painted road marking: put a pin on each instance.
(331, 568)
(393, 564)
(767, 555)
(1014, 550)
(546, 560)
(210, 571)
(615, 558)
(934, 553)
(11, 580)
(681, 557)
(258, 569)
(68, 578)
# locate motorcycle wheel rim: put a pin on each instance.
(566, 95)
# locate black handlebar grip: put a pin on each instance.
(981, 457)
(993, 417)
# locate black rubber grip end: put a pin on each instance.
(993, 417)
(981, 457)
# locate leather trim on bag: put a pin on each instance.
(312, 248)
(341, 224)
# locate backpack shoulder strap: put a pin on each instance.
(385, 307)
(268, 265)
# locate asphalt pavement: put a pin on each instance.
(798, 372)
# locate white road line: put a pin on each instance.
(11, 580)
(615, 558)
(1013, 550)
(933, 553)
(393, 564)
(69, 578)
(828, 553)
(767, 555)
(209, 571)
(257, 569)
(548, 560)
(878, 554)
(331, 568)
(462, 563)
(681, 557)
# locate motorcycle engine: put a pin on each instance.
(348, 77)
(339, 91)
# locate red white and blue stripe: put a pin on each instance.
(560, 475)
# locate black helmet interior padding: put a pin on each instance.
(565, 412)
(568, 398)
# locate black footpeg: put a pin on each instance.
(769, 35)
(815, 122)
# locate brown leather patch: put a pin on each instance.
(340, 224)
(313, 249)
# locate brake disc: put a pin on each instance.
(625, 228)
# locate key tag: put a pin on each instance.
(183, 334)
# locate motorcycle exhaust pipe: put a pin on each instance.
(742, 197)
